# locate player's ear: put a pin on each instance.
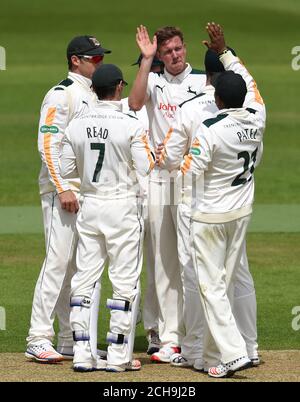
(119, 90)
(75, 60)
(219, 102)
(157, 55)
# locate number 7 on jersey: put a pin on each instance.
(101, 148)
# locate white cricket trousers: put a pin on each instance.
(110, 229)
(52, 290)
(162, 220)
(217, 251)
(150, 305)
(193, 315)
(244, 302)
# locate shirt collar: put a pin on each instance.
(180, 77)
(115, 105)
(237, 112)
(86, 82)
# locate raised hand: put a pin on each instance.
(147, 48)
(216, 36)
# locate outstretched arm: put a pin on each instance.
(138, 93)
(231, 62)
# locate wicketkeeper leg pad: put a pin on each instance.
(135, 308)
(117, 304)
(81, 336)
(94, 318)
(120, 326)
(118, 339)
(80, 320)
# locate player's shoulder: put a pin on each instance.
(195, 71)
(190, 102)
(126, 114)
(128, 118)
(214, 120)
(57, 94)
(251, 110)
(132, 123)
(63, 85)
(195, 77)
(155, 78)
(59, 88)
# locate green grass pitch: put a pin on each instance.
(263, 32)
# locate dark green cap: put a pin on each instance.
(86, 45)
(107, 75)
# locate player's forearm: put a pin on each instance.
(49, 151)
(53, 122)
(68, 167)
(138, 93)
(172, 155)
(67, 162)
(199, 156)
(142, 155)
(175, 146)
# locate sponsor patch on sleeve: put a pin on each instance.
(195, 151)
(49, 129)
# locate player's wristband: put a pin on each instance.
(223, 52)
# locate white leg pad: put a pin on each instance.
(94, 314)
(135, 307)
(80, 319)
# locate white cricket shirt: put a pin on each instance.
(223, 156)
(165, 93)
(70, 98)
(105, 148)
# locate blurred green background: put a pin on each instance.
(35, 36)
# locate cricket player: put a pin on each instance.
(203, 106)
(150, 307)
(162, 94)
(105, 148)
(223, 155)
(69, 99)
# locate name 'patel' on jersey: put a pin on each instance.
(247, 134)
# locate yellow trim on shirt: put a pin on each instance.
(47, 148)
(145, 141)
(163, 152)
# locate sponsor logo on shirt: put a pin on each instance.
(168, 107)
(49, 129)
(169, 110)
